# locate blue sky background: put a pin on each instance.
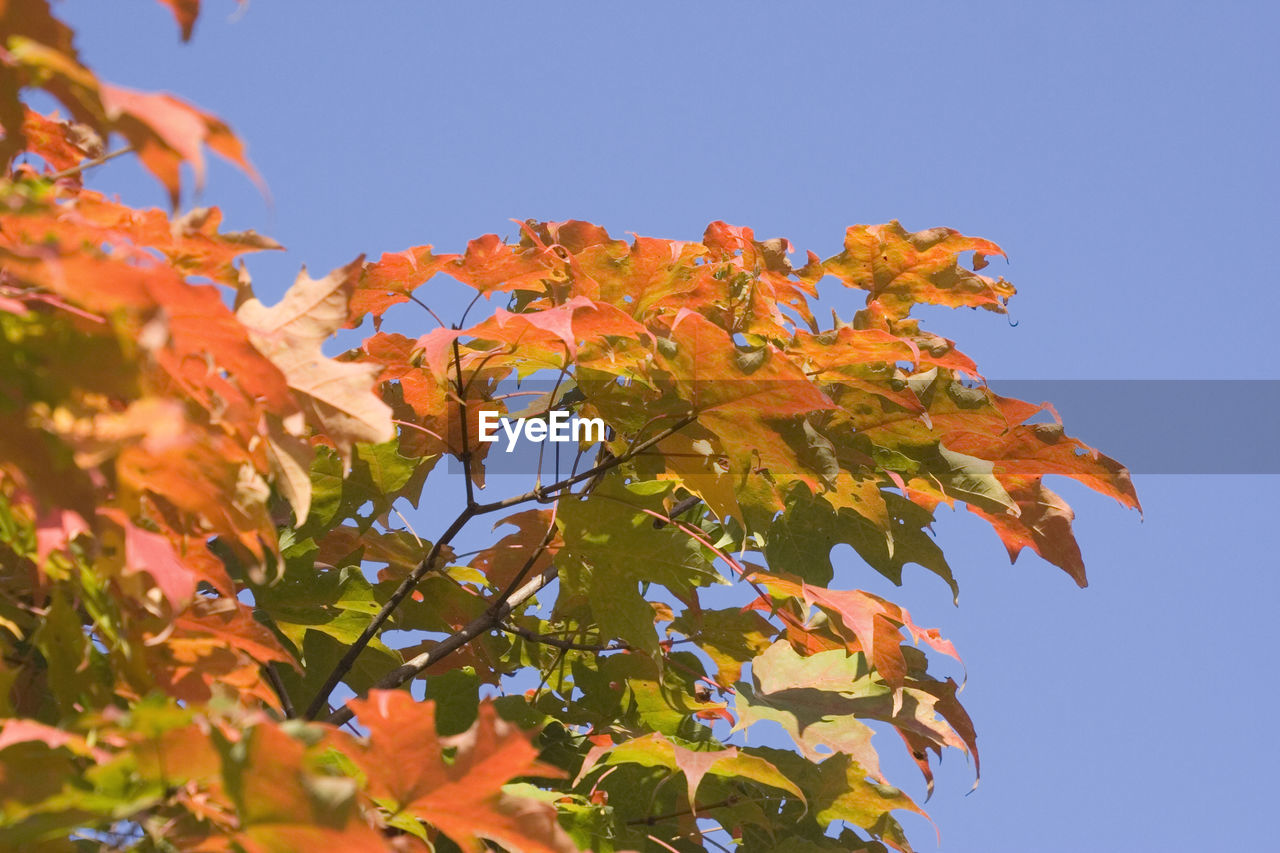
(1123, 153)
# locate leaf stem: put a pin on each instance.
(429, 311)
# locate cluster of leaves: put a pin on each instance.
(197, 552)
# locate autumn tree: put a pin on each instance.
(203, 545)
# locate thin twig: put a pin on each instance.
(545, 677)
(421, 428)
(273, 678)
(546, 412)
(467, 311)
(408, 526)
(661, 843)
(679, 509)
(652, 819)
(561, 643)
(89, 164)
(429, 311)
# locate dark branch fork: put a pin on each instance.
(504, 603)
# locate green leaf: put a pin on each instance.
(457, 697)
(844, 793)
(657, 750)
(799, 541)
(971, 480)
(730, 637)
(821, 699)
(611, 549)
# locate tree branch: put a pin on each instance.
(402, 592)
(679, 509)
(503, 604)
(273, 678)
(481, 624)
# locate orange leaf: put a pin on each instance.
(186, 12)
(284, 806)
(405, 765)
(1044, 526)
(391, 280)
(509, 554)
(491, 265)
(167, 132)
(60, 144)
(901, 268)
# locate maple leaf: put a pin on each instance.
(391, 280)
(643, 278)
(844, 793)
(730, 637)
(1043, 524)
(185, 13)
(820, 698)
(901, 269)
(491, 265)
(154, 554)
(511, 554)
(610, 549)
(167, 132)
(404, 760)
(13, 731)
(549, 337)
(285, 802)
(214, 644)
(337, 397)
(60, 144)
(656, 750)
(55, 530)
(874, 622)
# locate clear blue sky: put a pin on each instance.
(1124, 154)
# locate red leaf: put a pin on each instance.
(55, 530)
(152, 553)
